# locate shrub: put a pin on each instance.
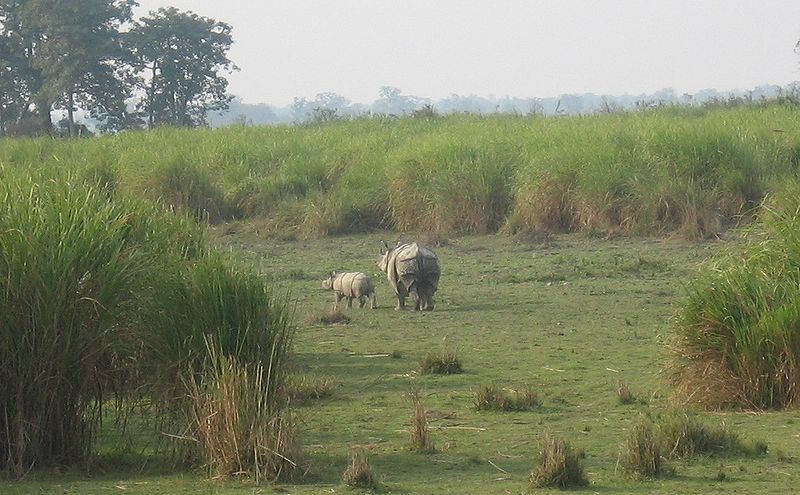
(559, 466)
(493, 398)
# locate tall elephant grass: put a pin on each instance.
(103, 297)
(220, 341)
(737, 340)
(73, 266)
(690, 172)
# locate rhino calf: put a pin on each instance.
(351, 285)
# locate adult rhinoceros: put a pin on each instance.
(411, 270)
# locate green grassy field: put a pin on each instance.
(693, 171)
(571, 316)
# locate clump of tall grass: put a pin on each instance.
(663, 172)
(189, 188)
(684, 435)
(103, 297)
(444, 362)
(674, 434)
(74, 268)
(359, 473)
(221, 350)
(625, 395)
(236, 421)
(452, 185)
(736, 341)
(641, 455)
(493, 398)
(559, 466)
(420, 434)
(303, 388)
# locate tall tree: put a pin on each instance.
(181, 56)
(19, 81)
(64, 53)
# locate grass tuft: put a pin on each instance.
(420, 434)
(559, 466)
(494, 398)
(302, 389)
(641, 454)
(444, 362)
(359, 472)
(328, 317)
(625, 395)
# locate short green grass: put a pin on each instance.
(571, 318)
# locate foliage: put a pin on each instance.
(182, 54)
(65, 53)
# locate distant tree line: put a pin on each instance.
(391, 102)
(90, 55)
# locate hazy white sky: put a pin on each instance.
(432, 48)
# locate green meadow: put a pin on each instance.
(582, 259)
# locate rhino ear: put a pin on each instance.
(384, 247)
(333, 273)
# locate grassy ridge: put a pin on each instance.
(687, 170)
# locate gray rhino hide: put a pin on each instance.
(410, 263)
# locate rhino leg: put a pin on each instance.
(362, 300)
(373, 302)
(338, 300)
(349, 302)
(426, 296)
(415, 296)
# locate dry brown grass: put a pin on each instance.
(333, 316)
(302, 388)
(559, 466)
(420, 434)
(494, 398)
(359, 472)
(234, 427)
(624, 394)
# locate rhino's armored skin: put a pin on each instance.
(351, 285)
(411, 270)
